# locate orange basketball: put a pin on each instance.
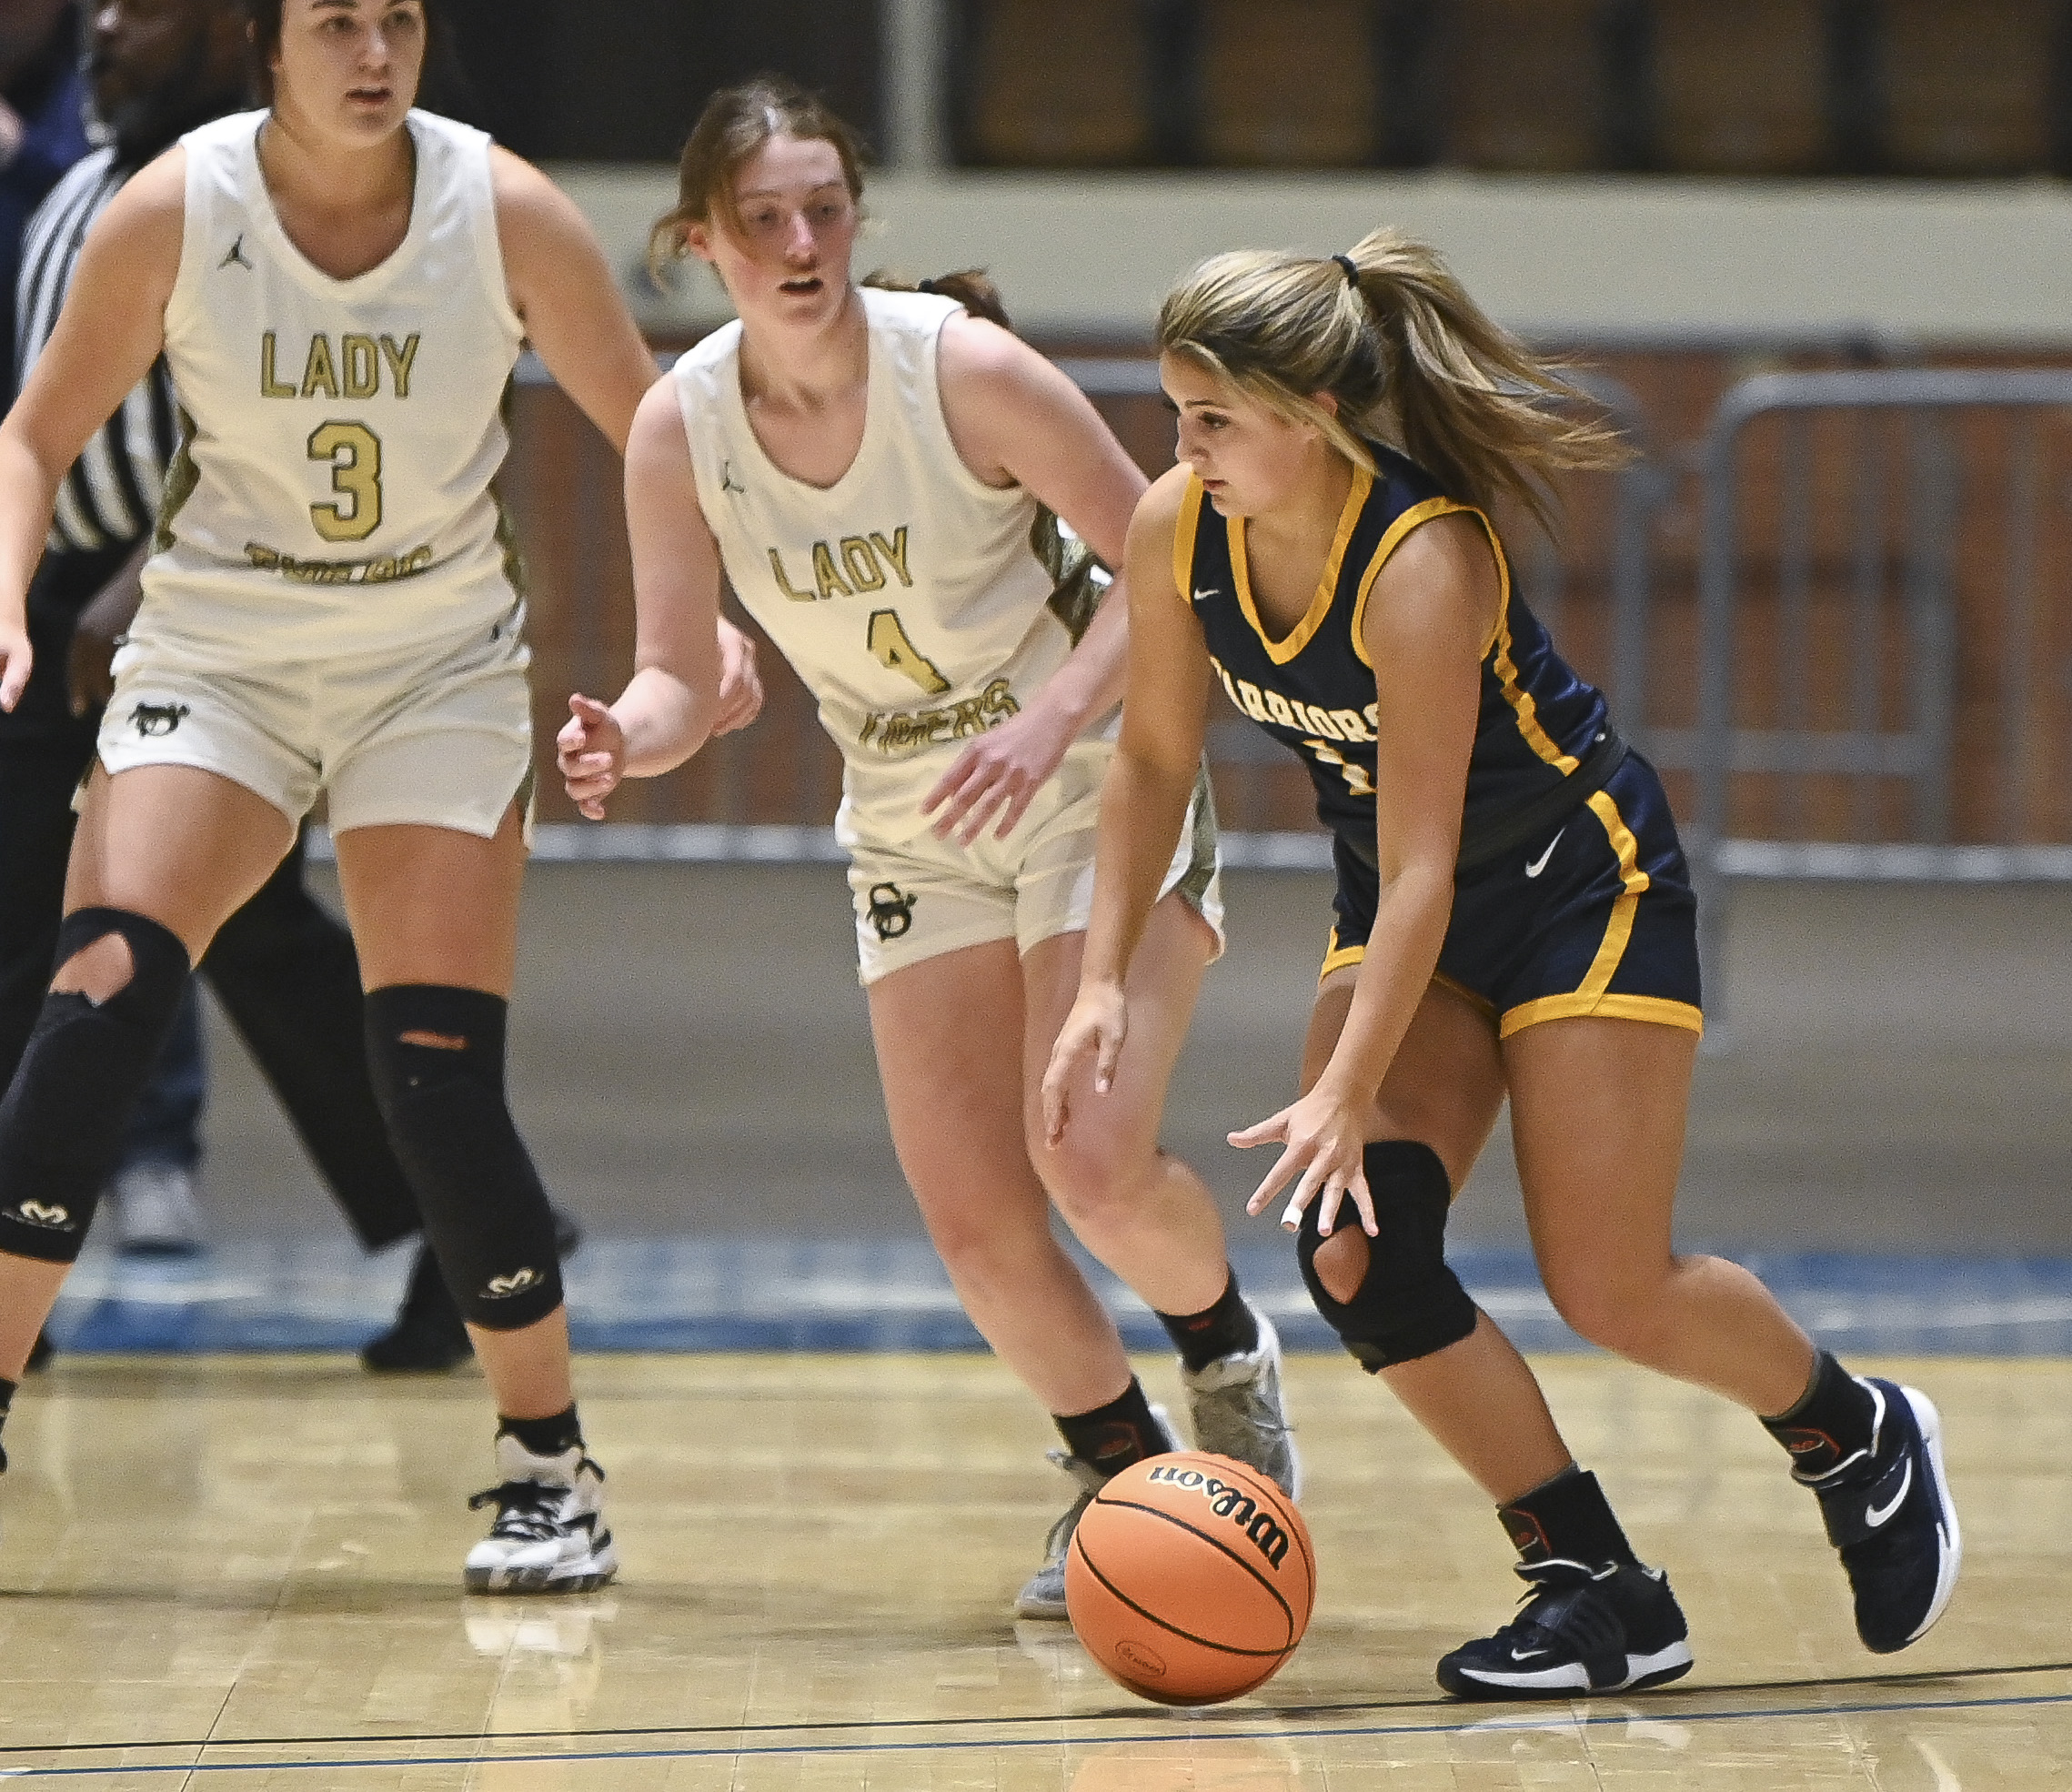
(1190, 1578)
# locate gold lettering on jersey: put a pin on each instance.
(895, 553)
(1355, 776)
(319, 376)
(401, 360)
(784, 584)
(362, 358)
(381, 570)
(271, 385)
(908, 730)
(843, 568)
(862, 565)
(350, 370)
(1278, 710)
(827, 582)
(1250, 700)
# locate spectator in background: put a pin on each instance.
(43, 126)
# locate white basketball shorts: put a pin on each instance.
(437, 737)
(917, 897)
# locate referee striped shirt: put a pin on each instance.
(110, 498)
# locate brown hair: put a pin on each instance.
(1409, 357)
(972, 287)
(736, 123)
(441, 83)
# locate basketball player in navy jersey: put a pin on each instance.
(1514, 920)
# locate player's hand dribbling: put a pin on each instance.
(997, 776)
(741, 684)
(590, 751)
(1098, 1025)
(15, 658)
(1325, 1136)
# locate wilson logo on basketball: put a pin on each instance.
(1137, 1657)
(1234, 1504)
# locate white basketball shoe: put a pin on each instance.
(549, 1533)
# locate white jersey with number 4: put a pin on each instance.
(907, 595)
(333, 496)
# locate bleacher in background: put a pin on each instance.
(1748, 88)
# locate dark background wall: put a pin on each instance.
(623, 80)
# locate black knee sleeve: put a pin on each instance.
(437, 1058)
(1409, 1305)
(86, 1067)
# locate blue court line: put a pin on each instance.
(750, 1294)
(1583, 1720)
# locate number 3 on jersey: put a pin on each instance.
(888, 642)
(354, 452)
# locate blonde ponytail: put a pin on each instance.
(1409, 357)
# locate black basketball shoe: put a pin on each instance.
(1888, 1510)
(1610, 1629)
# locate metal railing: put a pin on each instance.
(1875, 693)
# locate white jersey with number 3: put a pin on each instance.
(906, 595)
(334, 497)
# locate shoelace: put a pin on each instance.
(1248, 1407)
(1555, 1610)
(1060, 1533)
(526, 1510)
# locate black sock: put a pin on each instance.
(6, 1405)
(1114, 1437)
(545, 1437)
(1831, 1422)
(1567, 1518)
(1225, 1329)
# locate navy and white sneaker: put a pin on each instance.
(1609, 1629)
(1889, 1510)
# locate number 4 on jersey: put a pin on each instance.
(888, 642)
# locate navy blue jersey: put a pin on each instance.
(1314, 690)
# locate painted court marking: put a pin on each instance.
(1558, 1716)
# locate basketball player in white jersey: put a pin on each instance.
(868, 468)
(341, 287)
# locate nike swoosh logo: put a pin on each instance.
(1874, 1515)
(1534, 867)
(1526, 1655)
(1204, 597)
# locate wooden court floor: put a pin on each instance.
(245, 1573)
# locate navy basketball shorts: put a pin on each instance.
(1596, 917)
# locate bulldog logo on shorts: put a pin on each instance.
(502, 1287)
(891, 911)
(155, 719)
(51, 1219)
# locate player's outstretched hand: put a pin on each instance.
(997, 777)
(741, 684)
(591, 751)
(15, 658)
(1326, 1141)
(1096, 1029)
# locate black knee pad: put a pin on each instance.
(83, 1073)
(1409, 1305)
(436, 1059)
